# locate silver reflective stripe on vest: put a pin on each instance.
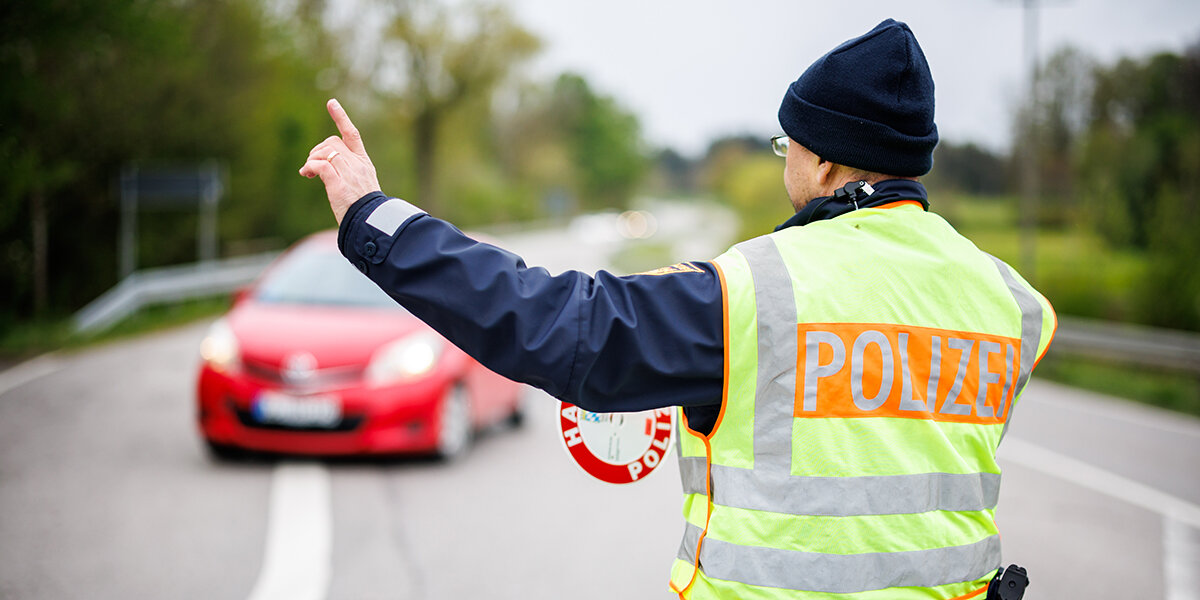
(687, 548)
(679, 434)
(842, 496)
(1031, 331)
(854, 496)
(692, 470)
(775, 306)
(775, 391)
(846, 573)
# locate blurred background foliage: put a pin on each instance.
(90, 87)
(1117, 151)
(455, 123)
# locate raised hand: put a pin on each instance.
(342, 164)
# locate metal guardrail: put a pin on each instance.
(170, 284)
(1131, 344)
(1134, 344)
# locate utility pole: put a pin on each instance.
(1030, 204)
(1028, 153)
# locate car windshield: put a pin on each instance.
(319, 276)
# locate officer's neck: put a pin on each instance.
(885, 192)
(833, 185)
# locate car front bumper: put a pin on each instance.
(387, 420)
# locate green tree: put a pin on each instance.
(449, 57)
(1049, 126)
(969, 168)
(754, 187)
(742, 172)
(1144, 117)
(605, 144)
(89, 87)
(568, 139)
(1139, 168)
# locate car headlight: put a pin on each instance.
(220, 347)
(406, 358)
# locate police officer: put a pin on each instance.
(844, 382)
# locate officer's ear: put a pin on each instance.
(825, 169)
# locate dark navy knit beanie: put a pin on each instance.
(867, 104)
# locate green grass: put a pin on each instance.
(1174, 391)
(31, 338)
(1073, 267)
(1081, 275)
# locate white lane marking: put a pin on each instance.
(297, 561)
(27, 371)
(1098, 480)
(1121, 410)
(1181, 544)
(1181, 560)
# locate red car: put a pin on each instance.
(315, 359)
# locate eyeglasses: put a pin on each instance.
(779, 144)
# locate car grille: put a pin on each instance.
(320, 379)
(246, 418)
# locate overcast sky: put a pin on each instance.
(693, 70)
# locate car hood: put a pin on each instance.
(335, 336)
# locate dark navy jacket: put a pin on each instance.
(603, 342)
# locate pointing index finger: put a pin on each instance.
(349, 132)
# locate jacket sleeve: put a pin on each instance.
(603, 342)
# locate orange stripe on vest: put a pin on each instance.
(850, 370)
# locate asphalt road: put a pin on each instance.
(106, 492)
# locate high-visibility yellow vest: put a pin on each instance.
(872, 365)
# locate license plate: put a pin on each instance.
(275, 408)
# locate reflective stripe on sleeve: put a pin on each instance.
(389, 216)
(845, 573)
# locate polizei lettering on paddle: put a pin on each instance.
(616, 447)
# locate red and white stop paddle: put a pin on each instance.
(616, 447)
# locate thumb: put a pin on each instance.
(321, 168)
